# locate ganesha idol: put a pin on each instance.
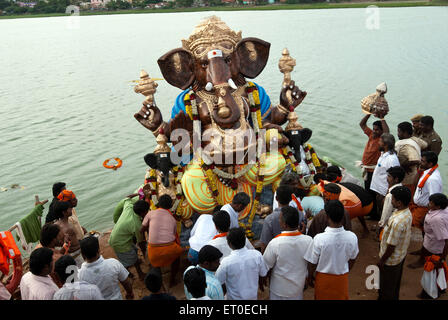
(217, 105)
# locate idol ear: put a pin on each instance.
(151, 160)
(306, 134)
(253, 54)
(177, 68)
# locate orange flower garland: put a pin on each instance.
(115, 167)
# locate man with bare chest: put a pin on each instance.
(63, 210)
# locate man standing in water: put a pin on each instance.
(372, 153)
(62, 211)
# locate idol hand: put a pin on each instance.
(291, 95)
(149, 116)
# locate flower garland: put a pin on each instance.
(314, 156)
(210, 179)
(295, 165)
(258, 190)
(152, 181)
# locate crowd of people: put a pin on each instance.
(306, 242)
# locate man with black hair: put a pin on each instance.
(429, 135)
(73, 289)
(125, 230)
(336, 175)
(395, 176)
(104, 273)
(37, 284)
(394, 245)
(56, 190)
(239, 202)
(154, 283)
(271, 225)
(284, 255)
(319, 223)
(63, 211)
(52, 237)
(243, 270)
(372, 149)
(163, 241)
(221, 219)
(408, 150)
(290, 179)
(387, 159)
(332, 255)
(430, 182)
(208, 258)
(195, 282)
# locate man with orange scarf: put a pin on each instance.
(69, 196)
(430, 182)
(332, 255)
(330, 191)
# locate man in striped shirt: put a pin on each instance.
(394, 245)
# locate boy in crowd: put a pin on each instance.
(240, 272)
(196, 284)
(208, 258)
(332, 255)
(154, 283)
(105, 273)
(285, 256)
(221, 219)
(73, 290)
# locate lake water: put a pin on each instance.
(66, 103)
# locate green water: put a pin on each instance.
(66, 104)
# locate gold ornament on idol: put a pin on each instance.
(146, 86)
(211, 33)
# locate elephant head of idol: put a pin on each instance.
(215, 60)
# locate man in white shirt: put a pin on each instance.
(73, 289)
(395, 176)
(271, 225)
(387, 160)
(242, 269)
(104, 273)
(203, 231)
(429, 183)
(37, 284)
(332, 254)
(239, 203)
(195, 282)
(221, 219)
(284, 255)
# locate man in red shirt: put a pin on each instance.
(372, 153)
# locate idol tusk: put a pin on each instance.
(232, 84)
(209, 86)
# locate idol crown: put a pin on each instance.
(211, 33)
